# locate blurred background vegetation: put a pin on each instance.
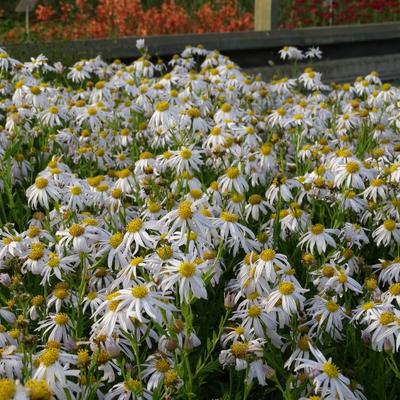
(75, 19)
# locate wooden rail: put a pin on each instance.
(253, 50)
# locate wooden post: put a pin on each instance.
(266, 15)
(26, 6)
(27, 23)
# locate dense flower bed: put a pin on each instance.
(197, 233)
(110, 18)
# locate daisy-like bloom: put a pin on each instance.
(185, 217)
(313, 52)
(301, 351)
(164, 117)
(269, 264)
(41, 192)
(393, 293)
(58, 266)
(186, 159)
(129, 389)
(137, 235)
(58, 326)
(11, 389)
(341, 282)
(142, 299)
(244, 355)
(328, 316)
(256, 207)
(233, 179)
(234, 234)
(386, 233)
(36, 258)
(56, 369)
(187, 274)
(53, 116)
(318, 236)
(289, 295)
(156, 369)
(380, 325)
(296, 219)
(81, 237)
(329, 381)
(389, 270)
(376, 189)
(291, 53)
(255, 317)
(351, 174)
(115, 248)
(280, 187)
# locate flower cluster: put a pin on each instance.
(110, 18)
(301, 13)
(180, 230)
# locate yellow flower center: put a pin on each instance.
(136, 261)
(38, 390)
(76, 190)
(266, 149)
(49, 356)
(60, 293)
(239, 349)
(61, 319)
(254, 311)
(91, 111)
(33, 231)
(76, 230)
(317, 229)
(171, 377)
(35, 90)
(331, 306)
(352, 167)
(37, 251)
(185, 210)
(386, 318)
(115, 240)
(135, 225)
(394, 289)
(133, 385)
(229, 217)
(124, 173)
(162, 365)
(187, 269)
(185, 154)
(255, 199)
(41, 182)
(226, 107)
(368, 306)
(140, 291)
(281, 112)
(54, 261)
(331, 370)
(239, 330)
(193, 112)
(232, 172)
(7, 389)
(165, 252)
(53, 110)
(286, 288)
(267, 255)
(342, 278)
(389, 225)
(303, 343)
(162, 106)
